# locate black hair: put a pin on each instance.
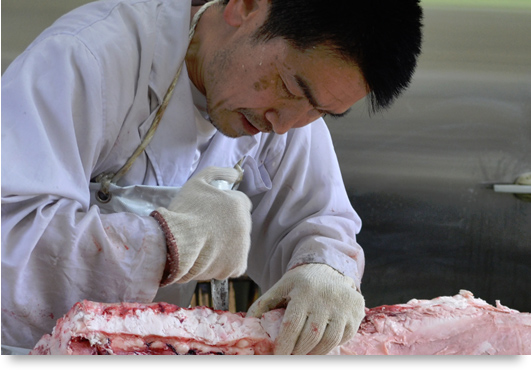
(383, 37)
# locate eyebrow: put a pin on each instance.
(308, 93)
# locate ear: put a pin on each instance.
(238, 12)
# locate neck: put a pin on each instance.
(198, 45)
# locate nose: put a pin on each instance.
(286, 117)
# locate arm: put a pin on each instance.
(311, 226)
(306, 216)
(56, 128)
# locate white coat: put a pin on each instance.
(77, 103)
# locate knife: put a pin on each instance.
(219, 289)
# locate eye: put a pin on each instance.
(285, 91)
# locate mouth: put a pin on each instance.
(248, 126)
(252, 128)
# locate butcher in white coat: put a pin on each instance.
(192, 91)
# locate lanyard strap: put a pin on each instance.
(106, 179)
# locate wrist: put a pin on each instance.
(172, 257)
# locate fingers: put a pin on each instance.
(290, 330)
(265, 303)
(302, 335)
(349, 332)
(352, 326)
(310, 335)
(210, 174)
(211, 264)
(331, 338)
(224, 178)
(242, 204)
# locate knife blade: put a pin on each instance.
(219, 289)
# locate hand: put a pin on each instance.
(324, 309)
(207, 229)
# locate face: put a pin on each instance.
(269, 86)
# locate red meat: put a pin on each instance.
(458, 325)
(92, 328)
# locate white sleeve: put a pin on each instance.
(305, 216)
(55, 249)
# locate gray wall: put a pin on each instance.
(23, 20)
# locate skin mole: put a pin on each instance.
(262, 84)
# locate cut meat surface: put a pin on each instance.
(459, 325)
(92, 328)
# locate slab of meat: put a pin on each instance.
(92, 328)
(459, 325)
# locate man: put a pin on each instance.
(105, 79)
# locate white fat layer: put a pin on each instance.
(461, 301)
(201, 325)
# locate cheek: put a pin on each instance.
(262, 84)
(240, 87)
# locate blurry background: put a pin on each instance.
(421, 174)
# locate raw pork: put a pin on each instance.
(92, 328)
(459, 325)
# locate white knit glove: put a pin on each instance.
(207, 229)
(324, 309)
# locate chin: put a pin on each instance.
(228, 131)
(233, 135)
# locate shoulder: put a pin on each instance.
(117, 39)
(114, 15)
(122, 27)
